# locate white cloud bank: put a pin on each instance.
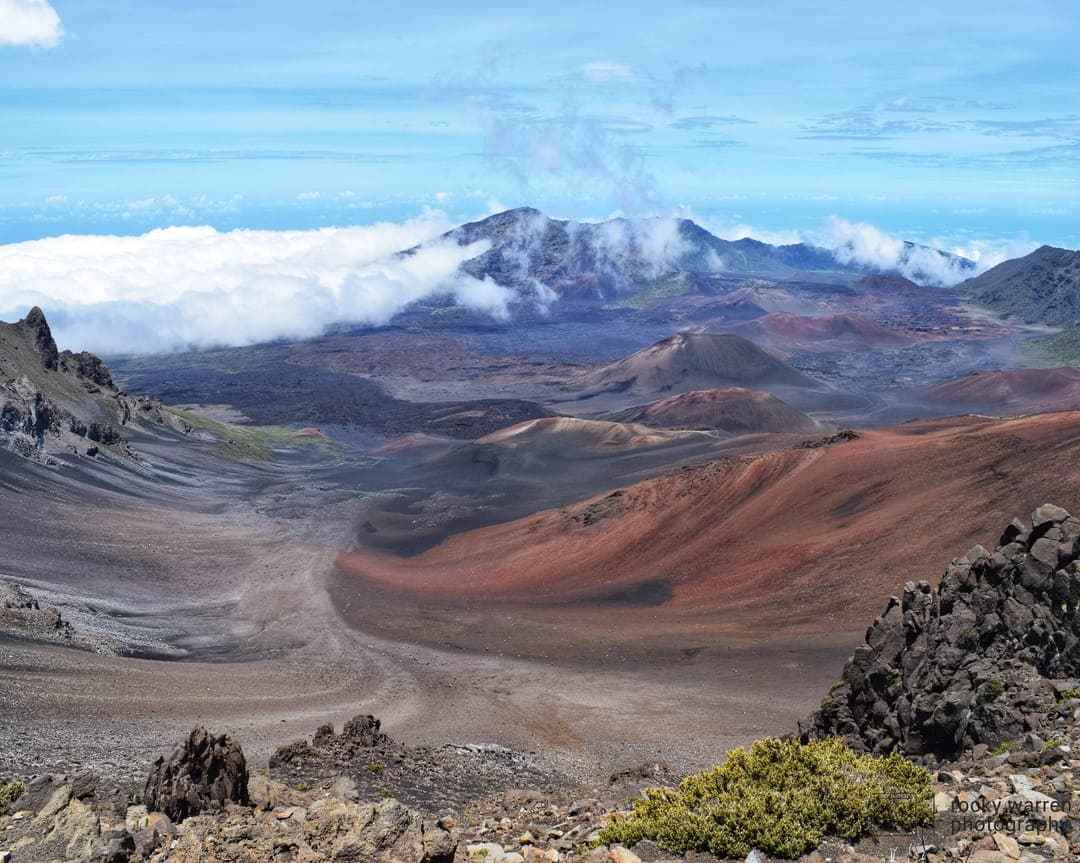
(934, 263)
(175, 288)
(29, 23)
(937, 264)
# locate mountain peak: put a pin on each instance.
(43, 338)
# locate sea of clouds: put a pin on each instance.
(184, 287)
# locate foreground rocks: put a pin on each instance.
(944, 670)
(436, 779)
(1015, 807)
(205, 773)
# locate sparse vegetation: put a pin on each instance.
(303, 786)
(377, 769)
(995, 689)
(780, 797)
(1069, 694)
(11, 791)
(1061, 349)
(253, 443)
(672, 286)
(1005, 747)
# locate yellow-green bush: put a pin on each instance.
(10, 792)
(781, 797)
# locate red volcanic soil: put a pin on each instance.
(783, 329)
(735, 409)
(695, 361)
(1024, 389)
(800, 541)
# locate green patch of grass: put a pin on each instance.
(377, 769)
(1005, 747)
(1060, 349)
(673, 286)
(249, 443)
(781, 797)
(995, 689)
(384, 794)
(1069, 694)
(303, 786)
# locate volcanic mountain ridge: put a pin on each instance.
(53, 402)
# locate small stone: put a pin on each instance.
(489, 852)
(1006, 844)
(1020, 782)
(619, 854)
(345, 790)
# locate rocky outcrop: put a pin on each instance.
(22, 615)
(91, 368)
(359, 734)
(54, 403)
(43, 338)
(204, 773)
(946, 669)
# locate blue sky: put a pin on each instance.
(948, 120)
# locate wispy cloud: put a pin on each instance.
(709, 121)
(198, 287)
(861, 243)
(608, 71)
(29, 23)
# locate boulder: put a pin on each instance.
(204, 773)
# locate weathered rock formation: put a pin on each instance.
(55, 403)
(23, 615)
(204, 773)
(966, 663)
(357, 735)
(43, 339)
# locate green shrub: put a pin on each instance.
(1005, 747)
(10, 792)
(377, 769)
(1070, 694)
(781, 797)
(995, 689)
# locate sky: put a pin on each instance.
(951, 123)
